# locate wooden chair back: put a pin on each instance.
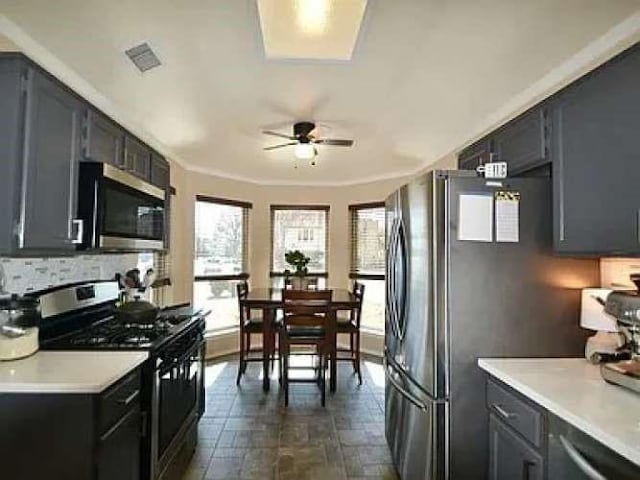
(358, 292)
(242, 290)
(309, 308)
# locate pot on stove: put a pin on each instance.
(19, 322)
(137, 311)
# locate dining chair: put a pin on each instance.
(350, 324)
(250, 325)
(306, 314)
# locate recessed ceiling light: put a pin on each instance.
(310, 29)
(312, 16)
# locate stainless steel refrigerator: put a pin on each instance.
(470, 273)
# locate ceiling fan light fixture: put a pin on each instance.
(305, 151)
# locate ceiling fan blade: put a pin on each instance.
(273, 147)
(276, 134)
(334, 142)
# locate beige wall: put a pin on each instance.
(189, 184)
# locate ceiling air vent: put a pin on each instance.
(143, 57)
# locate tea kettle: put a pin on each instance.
(19, 321)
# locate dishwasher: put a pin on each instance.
(574, 455)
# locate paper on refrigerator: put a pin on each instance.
(475, 217)
(507, 217)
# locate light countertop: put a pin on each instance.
(573, 389)
(67, 372)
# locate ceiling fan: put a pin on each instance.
(305, 141)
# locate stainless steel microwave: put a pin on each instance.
(119, 211)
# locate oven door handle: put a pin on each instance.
(162, 368)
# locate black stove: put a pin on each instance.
(81, 317)
(109, 334)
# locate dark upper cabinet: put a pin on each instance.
(475, 155)
(596, 161)
(523, 143)
(137, 158)
(52, 134)
(159, 175)
(510, 456)
(12, 73)
(103, 140)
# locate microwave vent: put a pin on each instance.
(143, 57)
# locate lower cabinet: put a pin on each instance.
(119, 450)
(527, 442)
(60, 436)
(512, 458)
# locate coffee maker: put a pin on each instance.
(624, 306)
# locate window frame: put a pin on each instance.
(353, 255)
(315, 207)
(353, 241)
(246, 206)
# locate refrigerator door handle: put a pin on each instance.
(401, 309)
(391, 280)
(406, 394)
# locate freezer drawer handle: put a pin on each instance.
(580, 461)
(502, 412)
(408, 395)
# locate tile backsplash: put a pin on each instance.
(30, 274)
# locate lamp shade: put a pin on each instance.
(592, 315)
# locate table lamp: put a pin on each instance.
(593, 317)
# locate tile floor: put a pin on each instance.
(246, 434)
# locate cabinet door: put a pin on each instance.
(475, 155)
(596, 163)
(523, 142)
(119, 449)
(50, 168)
(103, 140)
(137, 158)
(510, 457)
(159, 171)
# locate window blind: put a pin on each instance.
(300, 227)
(367, 240)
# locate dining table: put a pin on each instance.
(269, 300)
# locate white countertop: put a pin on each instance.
(67, 372)
(573, 389)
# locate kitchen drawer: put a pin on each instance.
(516, 412)
(119, 399)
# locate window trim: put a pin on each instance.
(224, 201)
(353, 273)
(272, 209)
(246, 206)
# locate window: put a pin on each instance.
(303, 228)
(220, 258)
(368, 261)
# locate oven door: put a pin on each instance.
(179, 382)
